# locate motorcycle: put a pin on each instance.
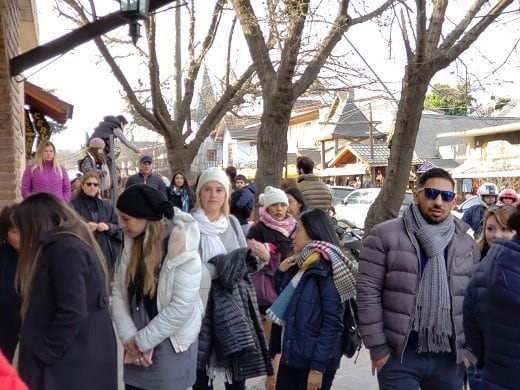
(350, 236)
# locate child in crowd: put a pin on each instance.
(243, 201)
(274, 230)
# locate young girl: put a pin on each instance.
(274, 230)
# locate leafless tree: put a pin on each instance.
(150, 96)
(288, 61)
(430, 46)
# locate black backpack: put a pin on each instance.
(350, 338)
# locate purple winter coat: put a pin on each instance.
(46, 180)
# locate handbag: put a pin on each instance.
(263, 281)
(264, 287)
(350, 337)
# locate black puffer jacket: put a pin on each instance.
(232, 325)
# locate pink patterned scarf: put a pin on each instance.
(285, 227)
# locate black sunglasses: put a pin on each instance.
(90, 184)
(433, 193)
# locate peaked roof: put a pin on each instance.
(360, 151)
(351, 122)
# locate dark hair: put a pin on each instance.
(432, 174)
(241, 178)
(232, 173)
(305, 164)
(122, 119)
(513, 223)
(6, 220)
(318, 226)
(184, 185)
(296, 194)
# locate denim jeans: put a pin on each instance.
(427, 371)
(290, 378)
(475, 377)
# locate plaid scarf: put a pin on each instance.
(344, 271)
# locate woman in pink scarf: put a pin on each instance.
(274, 231)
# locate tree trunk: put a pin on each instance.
(272, 140)
(388, 202)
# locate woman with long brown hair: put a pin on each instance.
(66, 339)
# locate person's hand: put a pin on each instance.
(135, 356)
(259, 249)
(314, 380)
(467, 363)
(379, 364)
(92, 226)
(287, 263)
(102, 227)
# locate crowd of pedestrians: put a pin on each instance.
(200, 294)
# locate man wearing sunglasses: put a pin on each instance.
(413, 274)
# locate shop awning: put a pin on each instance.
(42, 101)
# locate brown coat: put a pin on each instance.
(316, 193)
(388, 283)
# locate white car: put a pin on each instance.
(459, 210)
(354, 207)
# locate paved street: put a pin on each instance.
(350, 376)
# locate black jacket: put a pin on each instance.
(232, 325)
(98, 210)
(263, 233)
(9, 301)
(67, 340)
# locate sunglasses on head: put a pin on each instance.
(91, 184)
(433, 193)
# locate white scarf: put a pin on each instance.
(210, 242)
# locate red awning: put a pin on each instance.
(46, 103)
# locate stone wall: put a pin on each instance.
(12, 148)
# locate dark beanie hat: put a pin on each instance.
(296, 194)
(143, 201)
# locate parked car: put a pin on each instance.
(339, 193)
(459, 210)
(354, 207)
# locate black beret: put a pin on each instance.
(143, 201)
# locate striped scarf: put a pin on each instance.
(344, 272)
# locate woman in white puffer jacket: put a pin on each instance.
(156, 305)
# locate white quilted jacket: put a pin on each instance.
(178, 300)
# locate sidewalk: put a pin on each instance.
(350, 376)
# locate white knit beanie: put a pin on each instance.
(213, 174)
(274, 195)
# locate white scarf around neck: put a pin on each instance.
(210, 242)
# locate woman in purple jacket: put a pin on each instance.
(46, 174)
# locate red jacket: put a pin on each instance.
(9, 379)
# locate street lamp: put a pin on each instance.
(134, 10)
